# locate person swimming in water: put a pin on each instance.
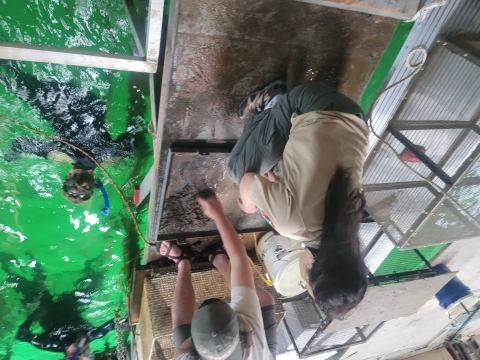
(78, 117)
(60, 316)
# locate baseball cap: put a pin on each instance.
(215, 332)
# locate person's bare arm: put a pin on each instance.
(241, 273)
(245, 203)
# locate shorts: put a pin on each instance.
(265, 135)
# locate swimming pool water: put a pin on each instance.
(50, 247)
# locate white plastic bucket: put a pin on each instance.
(281, 257)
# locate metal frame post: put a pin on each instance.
(76, 57)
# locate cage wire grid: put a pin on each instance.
(304, 324)
(436, 123)
(192, 167)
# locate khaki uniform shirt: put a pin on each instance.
(318, 142)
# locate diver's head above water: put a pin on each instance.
(79, 185)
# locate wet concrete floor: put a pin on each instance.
(219, 51)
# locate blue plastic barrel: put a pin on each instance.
(453, 291)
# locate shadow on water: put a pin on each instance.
(58, 315)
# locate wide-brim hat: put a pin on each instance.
(215, 331)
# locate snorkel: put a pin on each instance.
(106, 203)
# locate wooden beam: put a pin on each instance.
(154, 30)
(26, 52)
(136, 295)
(146, 186)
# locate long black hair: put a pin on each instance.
(338, 276)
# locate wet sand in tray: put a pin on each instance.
(189, 173)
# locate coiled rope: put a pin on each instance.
(262, 277)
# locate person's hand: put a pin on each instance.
(211, 207)
(270, 176)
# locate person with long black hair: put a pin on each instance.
(320, 139)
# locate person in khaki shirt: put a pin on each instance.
(320, 139)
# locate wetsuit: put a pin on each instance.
(58, 339)
(76, 115)
(62, 323)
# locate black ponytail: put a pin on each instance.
(338, 276)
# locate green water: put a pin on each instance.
(47, 244)
(81, 24)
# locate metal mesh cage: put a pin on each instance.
(446, 90)
(331, 341)
(397, 210)
(302, 320)
(435, 131)
(461, 152)
(341, 339)
(447, 223)
(474, 171)
(384, 167)
(378, 253)
(188, 170)
(306, 326)
(367, 233)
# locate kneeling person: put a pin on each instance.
(319, 137)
